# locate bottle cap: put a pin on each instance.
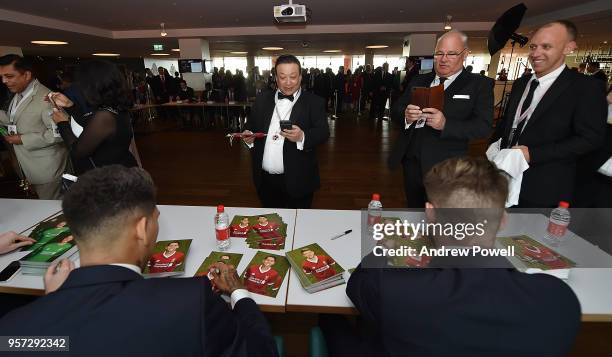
(220, 209)
(564, 204)
(376, 197)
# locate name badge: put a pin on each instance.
(12, 129)
(461, 96)
(56, 133)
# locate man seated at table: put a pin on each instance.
(467, 312)
(107, 308)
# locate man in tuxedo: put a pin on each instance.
(554, 117)
(467, 115)
(285, 168)
(107, 307)
(446, 311)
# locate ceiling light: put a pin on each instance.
(163, 31)
(45, 42)
(447, 23)
(160, 54)
(377, 46)
(239, 52)
(176, 50)
(105, 54)
(332, 51)
(272, 48)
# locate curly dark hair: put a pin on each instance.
(103, 85)
(103, 194)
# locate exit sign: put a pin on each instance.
(158, 47)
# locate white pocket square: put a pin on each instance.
(461, 96)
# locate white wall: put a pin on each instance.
(159, 62)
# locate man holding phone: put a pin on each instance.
(38, 146)
(285, 169)
(430, 135)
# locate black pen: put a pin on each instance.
(342, 234)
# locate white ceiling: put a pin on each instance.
(133, 18)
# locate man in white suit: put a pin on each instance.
(39, 149)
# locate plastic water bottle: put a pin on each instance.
(559, 220)
(222, 229)
(374, 212)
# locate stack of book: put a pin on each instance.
(168, 259)
(54, 242)
(266, 231)
(531, 256)
(315, 269)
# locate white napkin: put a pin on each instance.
(513, 163)
(562, 274)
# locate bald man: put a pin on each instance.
(467, 115)
(554, 117)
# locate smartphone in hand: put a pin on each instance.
(286, 124)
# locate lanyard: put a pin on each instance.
(15, 106)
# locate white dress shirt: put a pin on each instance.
(236, 296)
(22, 96)
(545, 83)
(273, 150)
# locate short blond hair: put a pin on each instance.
(466, 182)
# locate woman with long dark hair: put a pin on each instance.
(107, 130)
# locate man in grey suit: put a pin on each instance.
(39, 148)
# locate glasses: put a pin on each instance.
(450, 55)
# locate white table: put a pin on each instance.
(175, 222)
(18, 215)
(593, 286)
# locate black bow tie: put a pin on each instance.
(282, 96)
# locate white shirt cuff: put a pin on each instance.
(300, 144)
(406, 125)
(250, 146)
(238, 295)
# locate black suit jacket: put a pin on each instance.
(568, 122)
(301, 167)
(466, 119)
(465, 312)
(165, 89)
(112, 311)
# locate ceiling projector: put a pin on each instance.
(290, 13)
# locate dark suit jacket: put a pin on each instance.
(466, 119)
(465, 312)
(112, 311)
(568, 122)
(301, 167)
(164, 90)
(385, 80)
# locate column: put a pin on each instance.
(421, 44)
(369, 58)
(494, 65)
(196, 48)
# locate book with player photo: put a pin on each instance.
(408, 240)
(265, 273)
(531, 254)
(205, 268)
(241, 225)
(54, 241)
(315, 268)
(168, 258)
(268, 232)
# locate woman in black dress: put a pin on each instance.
(106, 130)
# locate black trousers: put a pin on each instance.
(413, 183)
(377, 109)
(273, 193)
